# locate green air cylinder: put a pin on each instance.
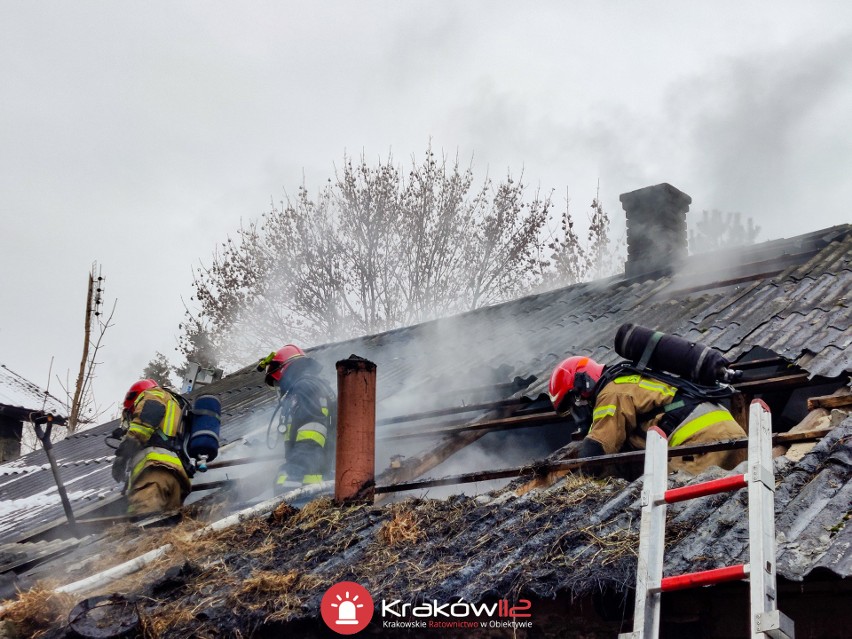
(696, 362)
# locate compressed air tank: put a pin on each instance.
(696, 362)
(203, 442)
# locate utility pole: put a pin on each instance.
(94, 298)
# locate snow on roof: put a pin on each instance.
(19, 392)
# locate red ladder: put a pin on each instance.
(766, 620)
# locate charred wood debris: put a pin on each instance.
(551, 531)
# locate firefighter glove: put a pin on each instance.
(119, 467)
(128, 447)
(262, 364)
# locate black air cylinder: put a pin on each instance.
(693, 361)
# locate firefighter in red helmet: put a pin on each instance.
(132, 394)
(148, 457)
(307, 419)
(615, 408)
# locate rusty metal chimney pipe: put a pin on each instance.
(355, 472)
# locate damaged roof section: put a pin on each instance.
(786, 295)
(574, 538)
(800, 310)
(782, 302)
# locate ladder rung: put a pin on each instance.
(766, 620)
(704, 578)
(775, 624)
(705, 488)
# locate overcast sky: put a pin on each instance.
(138, 135)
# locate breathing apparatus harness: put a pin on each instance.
(113, 440)
(282, 421)
(180, 443)
(698, 372)
(298, 391)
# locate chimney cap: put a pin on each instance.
(662, 193)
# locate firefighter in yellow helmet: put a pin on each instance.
(618, 410)
(148, 457)
(307, 419)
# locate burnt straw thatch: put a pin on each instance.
(572, 539)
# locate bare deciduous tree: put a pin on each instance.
(716, 230)
(574, 261)
(375, 249)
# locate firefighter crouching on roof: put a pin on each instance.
(307, 418)
(147, 457)
(619, 410)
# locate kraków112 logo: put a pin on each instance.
(346, 607)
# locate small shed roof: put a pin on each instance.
(20, 397)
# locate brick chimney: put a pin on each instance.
(656, 229)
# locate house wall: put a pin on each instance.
(820, 610)
(10, 438)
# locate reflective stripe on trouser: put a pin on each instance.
(305, 456)
(307, 479)
(727, 459)
(159, 457)
(703, 416)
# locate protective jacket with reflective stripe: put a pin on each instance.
(627, 406)
(309, 422)
(157, 424)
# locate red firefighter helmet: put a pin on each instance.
(133, 392)
(576, 376)
(282, 359)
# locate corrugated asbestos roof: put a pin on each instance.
(576, 537)
(18, 392)
(790, 296)
(571, 536)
